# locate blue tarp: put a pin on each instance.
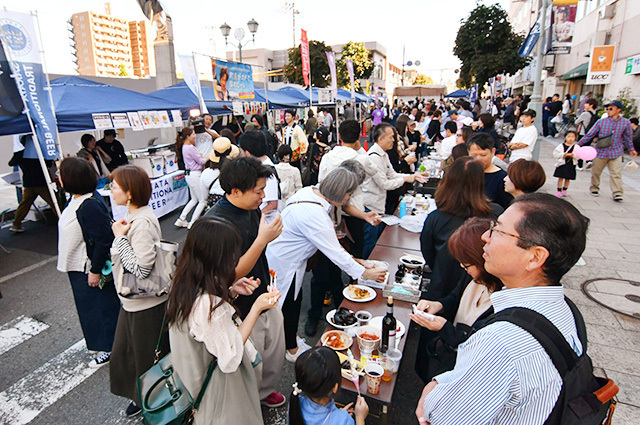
(75, 99)
(344, 95)
(279, 99)
(459, 93)
(182, 94)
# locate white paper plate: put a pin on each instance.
(329, 316)
(346, 339)
(348, 295)
(376, 322)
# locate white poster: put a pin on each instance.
(176, 115)
(155, 119)
(164, 119)
(145, 118)
(101, 121)
(134, 119)
(237, 108)
(120, 120)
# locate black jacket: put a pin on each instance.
(116, 151)
(32, 175)
(95, 222)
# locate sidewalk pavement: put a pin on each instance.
(613, 245)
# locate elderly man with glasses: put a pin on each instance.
(613, 133)
(502, 373)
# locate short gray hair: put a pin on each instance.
(338, 184)
(356, 168)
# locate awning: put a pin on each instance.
(577, 72)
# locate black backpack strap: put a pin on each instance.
(580, 325)
(549, 337)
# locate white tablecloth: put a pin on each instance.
(167, 193)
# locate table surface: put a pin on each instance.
(397, 237)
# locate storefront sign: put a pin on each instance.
(600, 65)
(633, 65)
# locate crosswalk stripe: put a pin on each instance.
(27, 398)
(18, 331)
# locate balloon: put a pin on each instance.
(585, 153)
(574, 97)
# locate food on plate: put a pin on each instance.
(334, 340)
(369, 337)
(358, 293)
(344, 317)
(272, 273)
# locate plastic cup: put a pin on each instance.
(363, 317)
(389, 365)
(374, 373)
(394, 357)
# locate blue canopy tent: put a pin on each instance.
(75, 99)
(344, 95)
(459, 93)
(279, 99)
(182, 94)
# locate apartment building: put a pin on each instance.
(142, 53)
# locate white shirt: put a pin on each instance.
(290, 180)
(447, 146)
(528, 136)
(72, 251)
(204, 144)
(502, 373)
(272, 189)
(206, 178)
(385, 178)
(307, 229)
(336, 156)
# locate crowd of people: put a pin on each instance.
(268, 206)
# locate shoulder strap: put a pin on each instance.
(549, 337)
(303, 202)
(214, 181)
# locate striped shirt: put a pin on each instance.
(502, 374)
(622, 136)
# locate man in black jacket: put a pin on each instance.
(34, 184)
(114, 149)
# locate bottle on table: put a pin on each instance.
(388, 328)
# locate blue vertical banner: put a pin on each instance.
(473, 93)
(331, 57)
(10, 101)
(23, 50)
(530, 41)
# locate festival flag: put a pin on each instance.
(10, 102)
(331, 57)
(530, 41)
(304, 52)
(23, 50)
(190, 75)
(349, 63)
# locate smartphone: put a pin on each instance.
(422, 313)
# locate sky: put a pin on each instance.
(425, 28)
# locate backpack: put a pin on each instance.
(584, 399)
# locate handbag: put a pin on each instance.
(163, 397)
(213, 198)
(159, 280)
(604, 142)
(557, 119)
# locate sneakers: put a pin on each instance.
(311, 327)
(16, 229)
(181, 223)
(132, 410)
(589, 165)
(617, 198)
(101, 360)
(595, 193)
(275, 399)
(302, 347)
(559, 193)
(564, 192)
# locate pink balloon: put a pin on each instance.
(585, 153)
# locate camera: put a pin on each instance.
(197, 123)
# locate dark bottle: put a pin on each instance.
(388, 328)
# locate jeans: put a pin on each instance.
(326, 276)
(371, 235)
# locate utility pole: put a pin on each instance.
(536, 97)
(294, 12)
(403, 62)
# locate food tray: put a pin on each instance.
(373, 283)
(414, 297)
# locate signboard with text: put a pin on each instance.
(233, 80)
(600, 65)
(633, 65)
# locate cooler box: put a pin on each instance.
(157, 166)
(170, 163)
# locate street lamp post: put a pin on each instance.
(239, 34)
(536, 97)
(404, 62)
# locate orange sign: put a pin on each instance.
(601, 65)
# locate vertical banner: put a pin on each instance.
(600, 65)
(233, 81)
(530, 41)
(375, 93)
(473, 95)
(304, 52)
(349, 63)
(10, 102)
(563, 17)
(190, 75)
(23, 50)
(331, 57)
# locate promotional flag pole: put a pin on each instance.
(46, 74)
(203, 106)
(36, 144)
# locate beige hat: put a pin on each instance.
(222, 147)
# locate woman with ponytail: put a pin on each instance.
(318, 378)
(193, 162)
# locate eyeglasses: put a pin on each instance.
(465, 266)
(492, 228)
(611, 108)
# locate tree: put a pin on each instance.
(487, 46)
(123, 71)
(422, 79)
(318, 61)
(362, 64)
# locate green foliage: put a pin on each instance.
(362, 64)
(318, 61)
(422, 79)
(123, 71)
(487, 46)
(630, 109)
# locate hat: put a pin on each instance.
(222, 147)
(467, 121)
(410, 123)
(615, 103)
(529, 112)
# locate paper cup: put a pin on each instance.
(374, 374)
(363, 317)
(393, 359)
(270, 215)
